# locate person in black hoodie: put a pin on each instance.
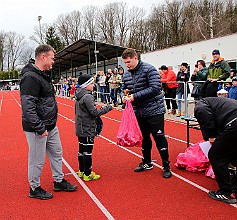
(217, 117)
(39, 117)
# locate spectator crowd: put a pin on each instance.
(205, 80)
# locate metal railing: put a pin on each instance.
(186, 98)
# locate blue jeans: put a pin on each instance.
(113, 95)
(180, 96)
(102, 95)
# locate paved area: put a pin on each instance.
(191, 106)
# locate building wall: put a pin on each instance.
(192, 52)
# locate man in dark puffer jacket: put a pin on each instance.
(143, 83)
(39, 117)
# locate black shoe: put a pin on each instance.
(143, 166)
(40, 193)
(222, 196)
(166, 172)
(64, 185)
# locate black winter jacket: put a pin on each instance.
(185, 79)
(145, 85)
(213, 114)
(87, 113)
(39, 107)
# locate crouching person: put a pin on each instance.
(87, 116)
(217, 117)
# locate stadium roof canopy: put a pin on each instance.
(82, 52)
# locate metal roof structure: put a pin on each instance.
(85, 52)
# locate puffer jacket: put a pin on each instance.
(39, 107)
(145, 85)
(86, 113)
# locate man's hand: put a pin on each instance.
(45, 134)
(211, 140)
(128, 98)
(212, 80)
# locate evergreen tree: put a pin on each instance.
(53, 39)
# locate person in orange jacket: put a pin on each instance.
(168, 75)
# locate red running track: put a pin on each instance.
(120, 193)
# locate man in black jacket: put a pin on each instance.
(144, 85)
(217, 117)
(39, 117)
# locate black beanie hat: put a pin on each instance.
(83, 78)
(184, 64)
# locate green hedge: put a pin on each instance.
(9, 75)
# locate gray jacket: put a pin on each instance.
(87, 113)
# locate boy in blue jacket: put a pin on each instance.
(233, 89)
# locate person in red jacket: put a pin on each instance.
(72, 90)
(168, 75)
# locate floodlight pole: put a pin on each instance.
(39, 18)
(96, 51)
(96, 67)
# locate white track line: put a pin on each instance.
(1, 104)
(85, 187)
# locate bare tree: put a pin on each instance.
(26, 55)
(90, 15)
(40, 32)
(171, 23)
(107, 22)
(2, 54)
(62, 25)
(15, 45)
(69, 27)
(157, 31)
(136, 20)
(122, 22)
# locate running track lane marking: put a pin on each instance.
(1, 105)
(84, 186)
(155, 164)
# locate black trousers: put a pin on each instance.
(154, 125)
(85, 154)
(171, 93)
(223, 152)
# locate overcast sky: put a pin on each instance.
(21, 16)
